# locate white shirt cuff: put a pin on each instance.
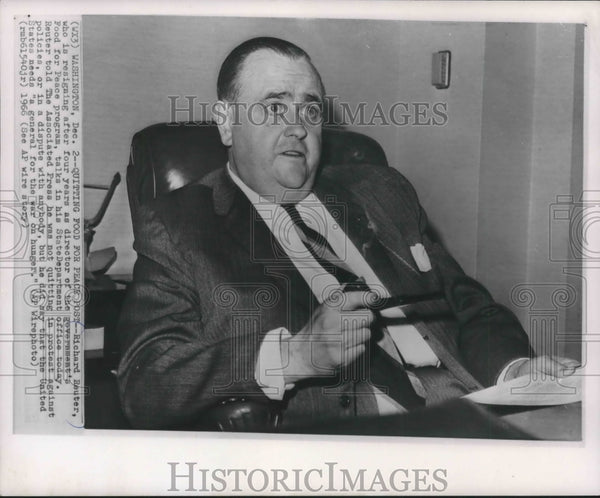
(505, 370)
(269, 366)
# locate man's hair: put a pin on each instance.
(228, 81)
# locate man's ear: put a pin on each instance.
(222, 116)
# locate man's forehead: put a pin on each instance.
(266, 72)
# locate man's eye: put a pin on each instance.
(277, 108)
(313, 111)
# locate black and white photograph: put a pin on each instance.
(348, 235)
(329, 221)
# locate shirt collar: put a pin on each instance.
(256, 199)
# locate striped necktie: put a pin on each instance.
(320, 249)
(380, 367)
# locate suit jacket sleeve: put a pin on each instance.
(489, 334)
(173, 366)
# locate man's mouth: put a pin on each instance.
(292, 153)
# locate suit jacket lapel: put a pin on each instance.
(367, 220)
(238, 216)
(248, 231)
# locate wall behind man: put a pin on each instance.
(486, 175)
(531, 153)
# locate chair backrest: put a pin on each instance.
(168, 156)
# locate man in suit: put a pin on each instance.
(265, 280)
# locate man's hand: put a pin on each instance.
(334, 336)
(543, 366)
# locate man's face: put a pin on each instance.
(274, 151)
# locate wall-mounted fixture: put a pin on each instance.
(440, 69)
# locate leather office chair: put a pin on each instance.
(168, 156)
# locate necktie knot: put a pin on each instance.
(319, 248)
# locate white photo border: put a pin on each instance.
(135, 462)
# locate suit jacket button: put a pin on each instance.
(344, 401)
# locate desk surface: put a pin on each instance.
(552, 423)
(463, 419)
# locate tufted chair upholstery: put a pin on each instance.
(167, 156)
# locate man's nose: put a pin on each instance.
(296, 129)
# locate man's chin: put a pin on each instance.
(294, 176)
(295, 189)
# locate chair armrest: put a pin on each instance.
(240, 414)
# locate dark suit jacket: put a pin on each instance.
(210, 280)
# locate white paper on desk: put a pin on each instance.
(532, 392)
